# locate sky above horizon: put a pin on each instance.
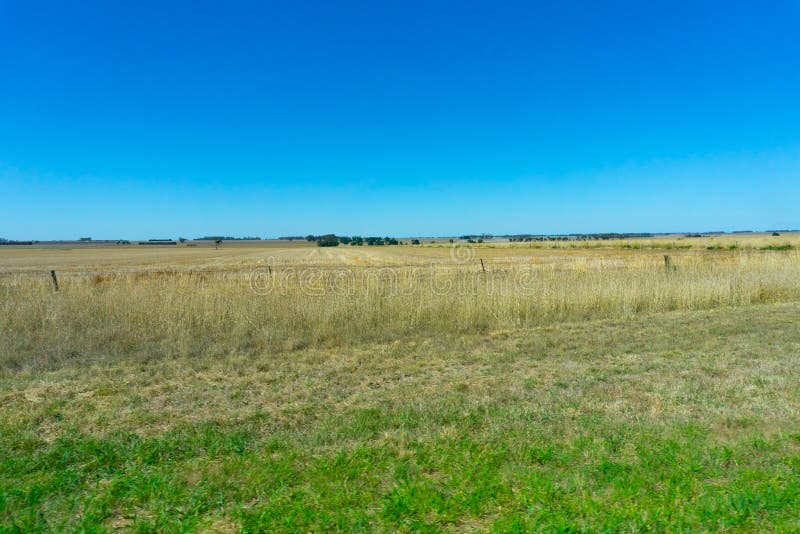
(165, 119)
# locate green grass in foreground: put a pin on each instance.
(679, 421)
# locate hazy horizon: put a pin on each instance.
(297, 237)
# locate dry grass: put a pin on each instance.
(745, 241)
(251, 300)
(717, 366)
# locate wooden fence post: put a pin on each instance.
(667, 262)
(55, 280)
(482, 267)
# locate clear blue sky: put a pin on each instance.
(157, 119)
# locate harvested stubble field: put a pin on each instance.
(284, 387)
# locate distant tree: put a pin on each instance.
(345, 240)
(217, 243)
(775, 234)
(415, 241)
(329, 240)
(357, 241)
(310, 238)
(451, 240)
(182, 239)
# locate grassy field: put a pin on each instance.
(282, 387)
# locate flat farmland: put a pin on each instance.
(508, 387)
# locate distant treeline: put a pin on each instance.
(332, 240)
(226, 238)
(576, 237)
(526, 239)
